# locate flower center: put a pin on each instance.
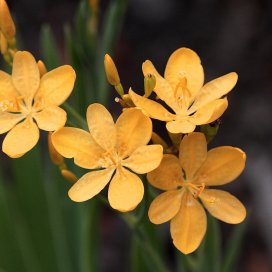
(194, 189)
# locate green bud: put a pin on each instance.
(149, 84)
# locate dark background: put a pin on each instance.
(228, 35)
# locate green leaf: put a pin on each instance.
(49, 48)
(233, 248)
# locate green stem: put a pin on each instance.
(80, 120)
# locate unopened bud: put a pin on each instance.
(55, 157)
(210, 130)
(3, 44)
(69, 176)
(42, 68)
(7, 25)
(149, 84)
(111, 71)
(156, 139)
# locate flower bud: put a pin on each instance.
(55, 157)
(42, 68)
(3, 44)
(69, 176)
(156, 139)
(149, 84)
(7, 25)
(111, 71)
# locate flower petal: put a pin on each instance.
(168, 176)
(150, 107)
(165, 206)
(133, 130)
(223, 165)
(90, 185)
(78, 144)
(210, 112)
(144, 159)
(126, 191)
(180, 126)
(101, 126)
(50, 118)
(192, 153)
(23, 137)
(7, 90)
(189, 226)
(56, 86)
(214, 90)
(184, 62)
(25, 75)
(162, 88)
(9, 120)
(223, 206)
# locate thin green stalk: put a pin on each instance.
(80, 120)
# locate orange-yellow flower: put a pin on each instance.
(25, 97)
(110, 149)
(186, 180)
(183, 91)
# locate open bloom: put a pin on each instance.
(183, 91)
(25, 97)
(110, 149)
(186, 180)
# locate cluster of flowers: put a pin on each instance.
(116, 152)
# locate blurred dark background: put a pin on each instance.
(228, 35)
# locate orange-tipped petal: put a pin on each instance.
(223, 165)
(21, 139)
(78, 144)
(25, 75)
(184, 62)
(50, 118)
(168, 176)
(90, 185)
(126, 191)
(223, 206)
(56, 86)
(214, 89)
(189, 226)
(150, 107)
(133, 130)
(164, 207)
(144, 159)
(192, 153)
(101, 126)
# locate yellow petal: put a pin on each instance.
(25, 75)
(144, 159)
(180, 126)
(162, 88)
(210, 112)
(56, 86)
(214, 90)
(7, 25)
(165, 206)
(21, 139)
(223, 206)
(78, 144)
(184, 62)
(168, 176)
(126, 191)
(42, 68)
(90, 185)
(7, 90)
(101, 126)
(189, 226)
(150, 107)
(9, 120)
(223, 165)
(133, 130)
(192, 153)
(50, 118)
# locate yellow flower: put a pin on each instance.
(183, 91)
(185, 180)
(25, 97)
(114, 148)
